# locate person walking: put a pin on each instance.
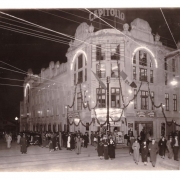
(86, 140)
(78, 144)
(169, 147)
(105, 144)
(23, 143)
(162, 147)
(111, 149)
(18, 138)
(175, 145)
(100, 148)
(144, 152)
(136, 148)
(8, 140)
(153, 149)
(69, 142)
(130, 145)
(92, 138)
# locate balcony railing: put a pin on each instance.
(143, 78)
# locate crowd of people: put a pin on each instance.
(144, 146)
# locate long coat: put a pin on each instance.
(170, 150)
(68, 142)
(144, 152)
(9, 139)
(106, 155)
(100, 148)
(153, 149)
(136, 148)
(111, 150)
(162, 147)
(78, 145)
(23, 143)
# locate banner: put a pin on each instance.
(127, 80)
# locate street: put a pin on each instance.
(40, 159)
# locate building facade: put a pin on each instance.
(69, 97)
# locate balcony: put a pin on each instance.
(143, 78)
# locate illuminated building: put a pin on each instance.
(137, 53)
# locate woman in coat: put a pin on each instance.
(105, 144)
(78, 144)
(100, 148)
(8, 140)
(18, 138)
(153, 149)
(144, 152)
(169, 147)
(111, 149)
(69, 142)
(136, 148)
(162, 147)
(23, 143)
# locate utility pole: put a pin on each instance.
(108, 125)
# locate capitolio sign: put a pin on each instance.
(106, 12)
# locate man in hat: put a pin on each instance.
(153, 149)
(175, 145)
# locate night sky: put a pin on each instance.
(24, 51)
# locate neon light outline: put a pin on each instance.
(26, 88)
(138, 48)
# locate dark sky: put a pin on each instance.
(24, 51)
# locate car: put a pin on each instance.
(33, 138)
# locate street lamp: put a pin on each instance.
(16, 119)
(174, 82)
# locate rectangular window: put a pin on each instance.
(143, 74)
(114, 70)
(115, 53)
(101, 70)
(167, 101)
(152, 98)
(175, 102)
(144, 100)
(85, 75)
(173, 65)
(101, 97)
(134, 72)
(166, 78)
(99, 55)
(115, 98)
(135, 98)
(74, 78)
(80, 76)
(79, 102)
(134, 59)
(165, 64)
(80, 61)
(151, 76)
(142, 58)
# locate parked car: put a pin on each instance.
(33, 138)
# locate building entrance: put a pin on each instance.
(146, 126)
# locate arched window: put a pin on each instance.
(80, 69)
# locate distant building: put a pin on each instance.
(138, 54)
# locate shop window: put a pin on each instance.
(101, 97)
(101, 70)
(115, 97)
(80, 61)
(80, 77)
(85, 75)
(79, 101)
(143, 74)
(167, 101)
(175, 102)
(151, 76)
(142, 58)
(114, 70)
(144, 100)
(135, 98)
(134, 72)
(115, 53)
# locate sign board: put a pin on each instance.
(73, 115)
(145, 114)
